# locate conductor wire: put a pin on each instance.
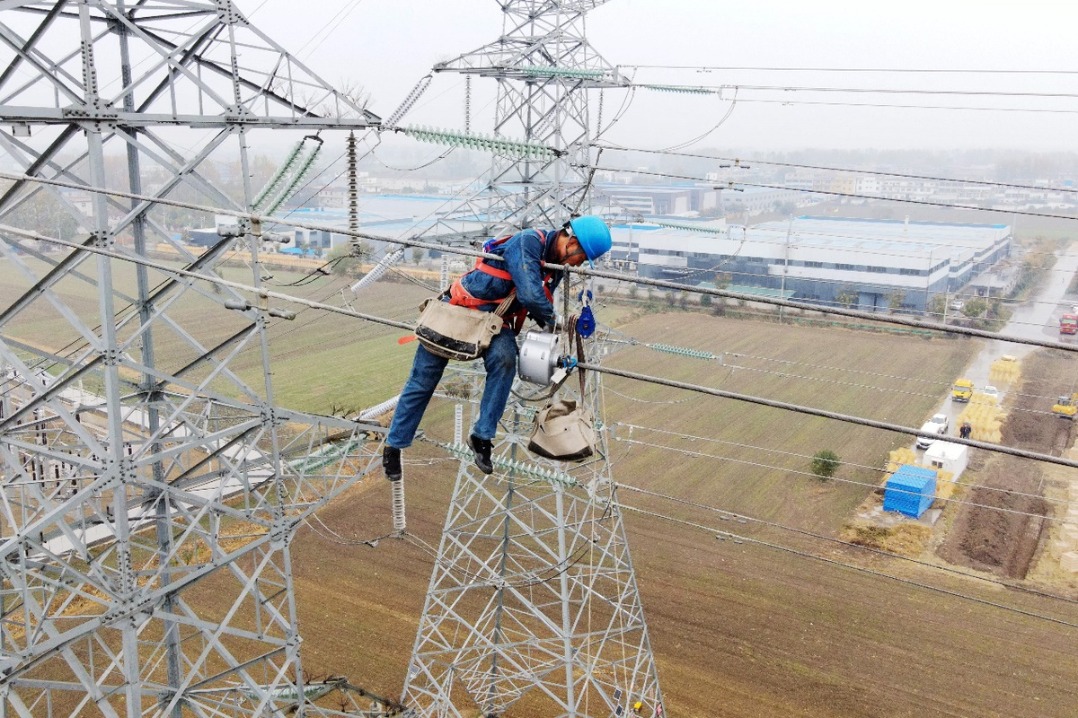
(850, 567)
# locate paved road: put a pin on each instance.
(1034, 319)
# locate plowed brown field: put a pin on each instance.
(1004, 542)
(785, 623)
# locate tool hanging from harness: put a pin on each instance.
(461, 297)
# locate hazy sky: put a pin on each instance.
(387, 45)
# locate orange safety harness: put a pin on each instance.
(463, 298)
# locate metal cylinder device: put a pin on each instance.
(538, 357)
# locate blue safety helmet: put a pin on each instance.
(592, 234)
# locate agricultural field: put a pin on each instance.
(321, 362)
(778, 619)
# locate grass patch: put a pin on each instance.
(906, 539)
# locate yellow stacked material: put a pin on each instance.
(944, 484)
(982, 399)
(1068, 537)
(985, 416)
(1069, 562)
(1005, 370)
(898, 457)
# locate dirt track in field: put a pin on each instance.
(1002, 526)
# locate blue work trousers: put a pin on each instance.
(500, 360)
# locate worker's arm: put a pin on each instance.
(524, 262)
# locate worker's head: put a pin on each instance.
(585, 237)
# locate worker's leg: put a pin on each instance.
(427, 371)
(500, 361)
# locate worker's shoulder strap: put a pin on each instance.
(482, 264)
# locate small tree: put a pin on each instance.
(847, 298)
(346, 260)
(825, 463)
(417, 255)
(895, 299)
(936, 306)
(975, 308)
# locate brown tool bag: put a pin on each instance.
(455, 332)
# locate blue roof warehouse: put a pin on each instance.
(818, 259)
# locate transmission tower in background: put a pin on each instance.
(543, 66)
(533, 597)
(150, 485)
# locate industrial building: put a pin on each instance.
(684, 199)
(870, 264)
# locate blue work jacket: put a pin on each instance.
(522, 255)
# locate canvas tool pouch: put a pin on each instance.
(455, 332)
(563, 430)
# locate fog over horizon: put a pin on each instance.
(784, 75)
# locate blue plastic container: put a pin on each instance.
(910, 490)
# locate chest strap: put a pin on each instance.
(481, 262)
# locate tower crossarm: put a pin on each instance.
(541, 39)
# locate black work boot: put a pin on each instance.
(391, 462)
(481, 448)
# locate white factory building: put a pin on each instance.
(872, 264)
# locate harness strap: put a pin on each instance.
(492, 271)
(481, 262)
(462, 297)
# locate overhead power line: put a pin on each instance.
(741, 87)
(887, 426)
(845, 70)
(797, 240)
(808, 457)
(617, 372)
(839, 311)
(905, 379)
(212, 279)
(908, 106)
(840, 382)
(837, 416)
(738, 161)
(719, 532)
(693, 453)
(743, 518)
(617, 276)
(731, 184)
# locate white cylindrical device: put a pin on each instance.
(538, 357)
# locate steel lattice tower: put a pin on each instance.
(533, 594)
(543, 66)
(149, 484)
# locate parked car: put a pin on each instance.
(932, 427)
(990, 391)
(943, 420)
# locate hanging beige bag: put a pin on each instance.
(563, 430)
(455, 332)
